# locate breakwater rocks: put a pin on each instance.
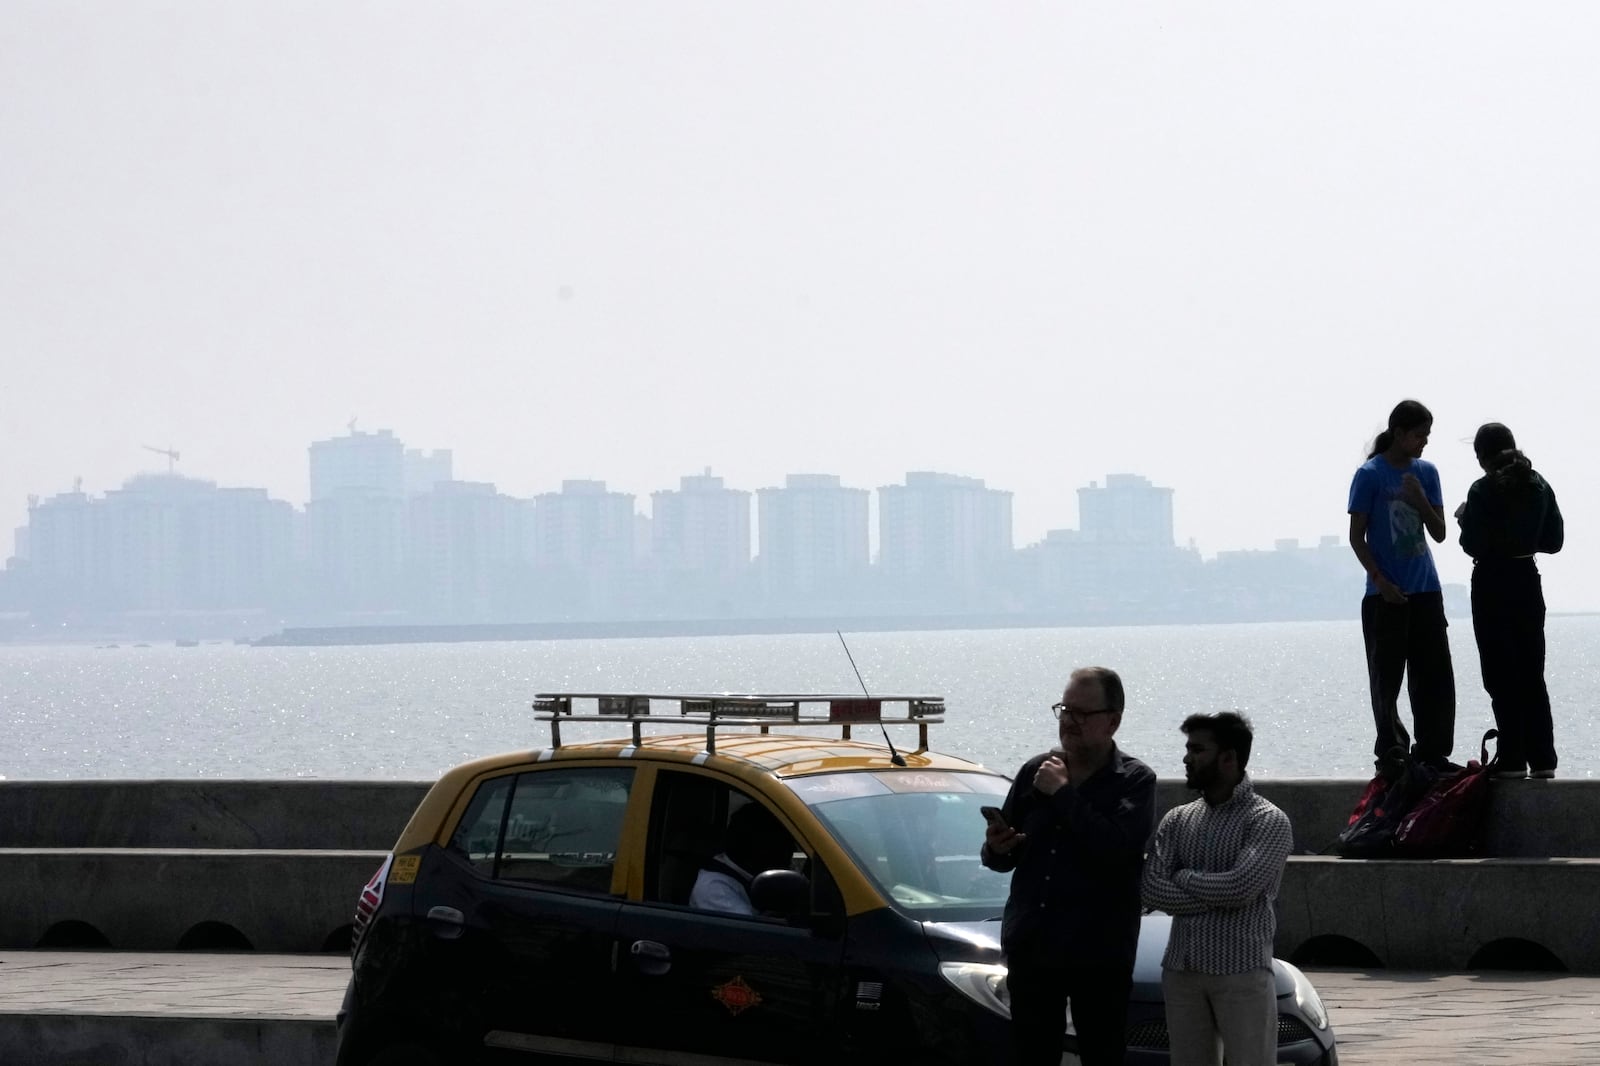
(277, 865)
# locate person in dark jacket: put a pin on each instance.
(1076, 823)
(1511, 514)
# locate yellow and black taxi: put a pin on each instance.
(585, 901)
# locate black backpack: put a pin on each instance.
(1387, 799)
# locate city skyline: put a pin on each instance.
(1213, 244)
(389, 536)
(407, 480)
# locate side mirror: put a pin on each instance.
(782, 894)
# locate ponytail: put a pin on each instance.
(1407, 414)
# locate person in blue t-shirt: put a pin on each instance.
(1396, 504)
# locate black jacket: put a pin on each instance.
(1511, 521)
(1075, 882)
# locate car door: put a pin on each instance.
(717, 987)
(537, 927)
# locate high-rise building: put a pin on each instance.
(584, 552)
(64, 559)
(701, 527)
(372, 463)
(354, 545)
(942, 530)
(423, 470)
(165, 543)
(700, 548)
(355, 522)
(813, 537)
(583, 527)
(1128, 509)
(459, 552)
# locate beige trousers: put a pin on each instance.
(1209, 1015)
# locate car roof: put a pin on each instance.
(753, 758)
(746, 755)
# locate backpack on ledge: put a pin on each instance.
(1448, 821)
(1374, 824)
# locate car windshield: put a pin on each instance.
(917, 835)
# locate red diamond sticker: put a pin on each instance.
(736, 995)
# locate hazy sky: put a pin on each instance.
(1035, 243)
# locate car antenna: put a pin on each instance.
(894, 756)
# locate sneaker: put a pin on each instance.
(1513, 775)
(1543, 775)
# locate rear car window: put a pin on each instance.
(558, 827)
(477, 837)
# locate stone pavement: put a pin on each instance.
(1381, 1017)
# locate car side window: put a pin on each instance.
(563, 826)
(693, 816)
(477, 836)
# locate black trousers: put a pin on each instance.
(1508, 622)
(1407, 641)
(1039, 997)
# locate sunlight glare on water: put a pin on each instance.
(410, 711)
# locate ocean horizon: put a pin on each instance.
(409, 711)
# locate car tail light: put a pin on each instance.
(369, 900)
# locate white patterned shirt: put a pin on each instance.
(1216, 870)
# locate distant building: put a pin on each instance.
(1289, 581)
(354, 552)
(459, 551)
(356, 523)
(163, 543)
(701, 527)
(941, 534)
(371, 463)
(813, 536)
(1128, 509)
(700, 546)
(421, 470)
(583, 528)
(68, 565)
(584, 551)
(1120, 565)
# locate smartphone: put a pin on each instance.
(995, 817)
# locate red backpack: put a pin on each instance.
(1448, 820)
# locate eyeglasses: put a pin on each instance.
(1079, 715)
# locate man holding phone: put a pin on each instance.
(1072, 832)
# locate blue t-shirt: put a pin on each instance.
(1395, 531)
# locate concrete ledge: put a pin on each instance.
(1526, 819)
(212, 868)
(164, 1040)
(149, 900)
(366, 815)
(1447, 914)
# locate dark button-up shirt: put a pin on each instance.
(1075, 881)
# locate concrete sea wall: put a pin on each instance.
(277, 865)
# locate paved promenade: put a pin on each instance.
(1381, 1017)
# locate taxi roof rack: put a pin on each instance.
(714, 709)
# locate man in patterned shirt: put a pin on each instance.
(1215, 866)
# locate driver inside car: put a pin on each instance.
(756, 842)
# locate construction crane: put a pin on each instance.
(172, 456)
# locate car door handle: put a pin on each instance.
(650, 957)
